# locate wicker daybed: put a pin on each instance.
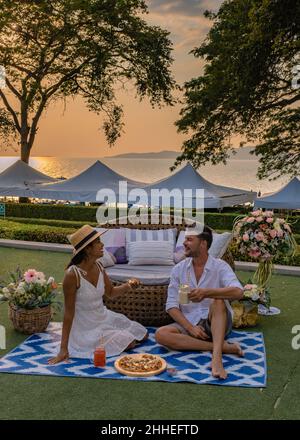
(146, 304)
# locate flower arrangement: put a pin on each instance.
(256, 294)
(29, 290)
(246, 309)
(263, 236)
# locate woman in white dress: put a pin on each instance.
(87, 322)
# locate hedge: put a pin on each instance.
(46, 222)
(54, 234)
(87, 214)
(19, 231)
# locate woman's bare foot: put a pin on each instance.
(217, 369)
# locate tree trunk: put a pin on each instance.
(25, 153)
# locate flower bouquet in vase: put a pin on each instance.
(32, 299)
(262, 236)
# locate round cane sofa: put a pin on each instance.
(146, 304)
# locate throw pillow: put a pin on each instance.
(151, 252)
(218, 247)
(132, 235)
(114, 242)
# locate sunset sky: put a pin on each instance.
(74, 131)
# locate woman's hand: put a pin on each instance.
(63, 355)
(133, 283)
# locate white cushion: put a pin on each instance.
(219, 244)
(133, 235)
(107, 259)
(218, 247)
(151, 252)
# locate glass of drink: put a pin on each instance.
(184, 290)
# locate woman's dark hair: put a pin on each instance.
(78, 258)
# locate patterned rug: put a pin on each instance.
(31, 358)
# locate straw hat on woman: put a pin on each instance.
(86, 320)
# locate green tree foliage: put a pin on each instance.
(64, 48)
(249, 87)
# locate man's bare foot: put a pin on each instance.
(217, 369)
(233, 348)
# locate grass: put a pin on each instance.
(38, 397)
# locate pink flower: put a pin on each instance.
(269, 220)
(259, 236)
(273, 233)
(279, 233)
(30, 276)
(259, 219)
(266, 256)
(263, 226)
(250, 219)
(254, 253)
(268, 213)
(287, 227)
(256, 213)
(249, 286)
(245, 237)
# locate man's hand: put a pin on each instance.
(197, 331)
(197, 295)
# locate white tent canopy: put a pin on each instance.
(288, 197)
(17, 179)
(85, 186)
(215, 196)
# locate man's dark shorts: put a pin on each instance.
(205, 323)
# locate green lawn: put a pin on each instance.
(37, 397)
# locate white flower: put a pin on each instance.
(21, 290)
(50, 280)
(255, 296)
(5, 291)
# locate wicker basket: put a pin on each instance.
(30, 321)
(146, 304)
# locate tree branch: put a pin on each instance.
(12, 88)
(10, 109)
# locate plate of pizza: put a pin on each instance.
(140, 365)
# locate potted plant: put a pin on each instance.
(246, 309)
(32, 300)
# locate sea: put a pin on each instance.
(236, 173)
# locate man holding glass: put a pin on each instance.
(205, 320)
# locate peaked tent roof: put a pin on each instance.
(19, 177)
(85, 186)
(288, 197)
(215, 196)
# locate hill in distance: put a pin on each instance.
(241, 154)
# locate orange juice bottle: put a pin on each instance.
(100, 356)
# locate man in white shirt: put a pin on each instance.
(204, 323)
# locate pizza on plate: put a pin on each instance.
(140, 364)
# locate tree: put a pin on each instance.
(64, 48)
(249, 87)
